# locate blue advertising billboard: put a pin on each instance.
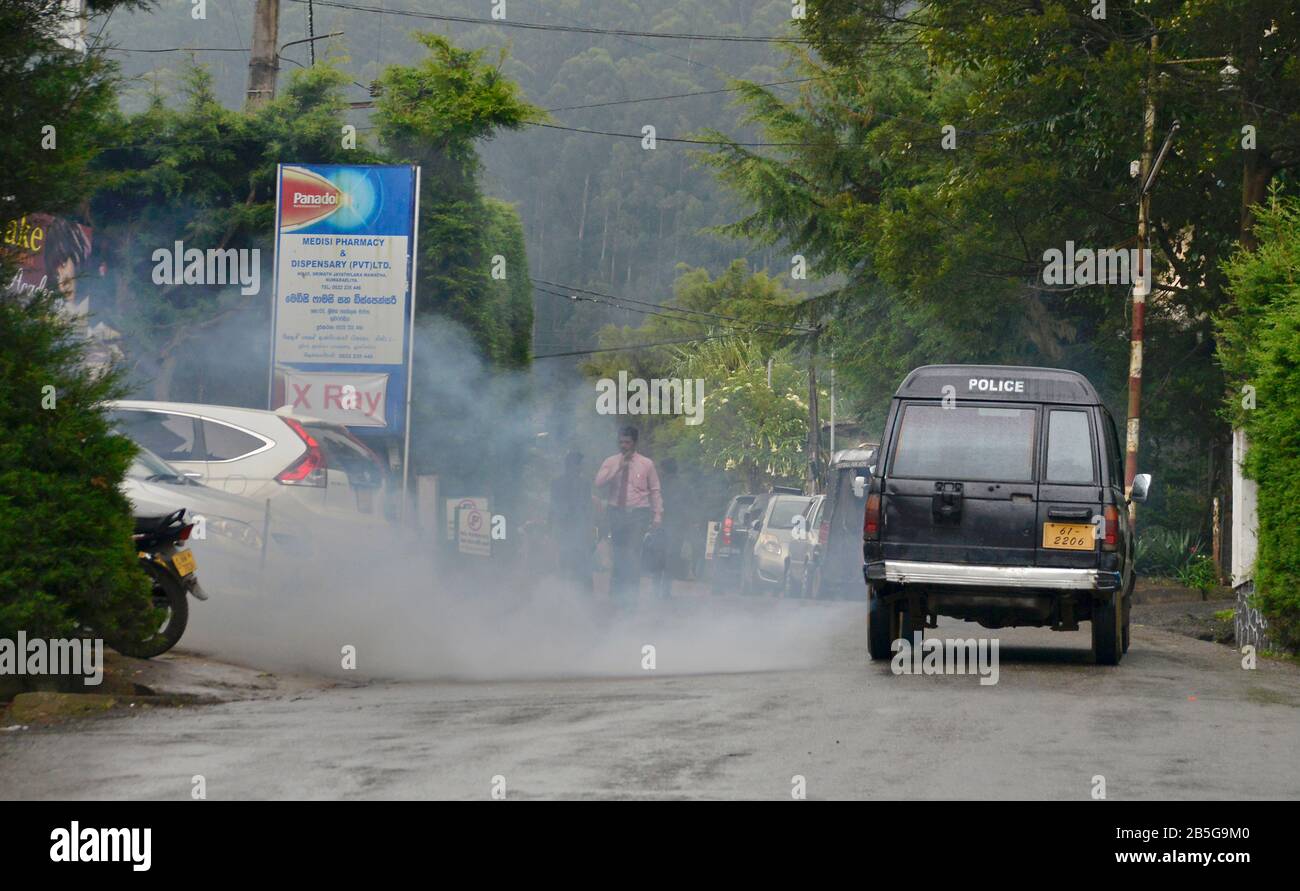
(344, 293)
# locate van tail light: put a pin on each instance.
(727, 525)
(309, 468)
(824, 533)
(1110, 535)
(871, 517)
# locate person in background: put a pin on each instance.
(571, 521)
(672, 528)
(629, 487)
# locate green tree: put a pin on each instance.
(753, 427)
(753, 431)
(1259, 340)
(53, 101)
(66, 558)
(942, 151)
(510, 294)
(204, 175)
(431, 114)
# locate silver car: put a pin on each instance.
(805, 538)
(769, 562)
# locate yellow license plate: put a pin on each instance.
(184, 563)
(1069, 536)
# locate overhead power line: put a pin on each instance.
(683, 139)
(770, 326)
(179, 49)
(631, 347)
(538, 26)
(775, 83)
(578, 298)
(935, 126)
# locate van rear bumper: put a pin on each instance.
(1029, 577)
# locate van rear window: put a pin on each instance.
(965, 443)
(1069, 448)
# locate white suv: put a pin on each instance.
(262, 454)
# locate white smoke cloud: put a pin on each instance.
(412, 611)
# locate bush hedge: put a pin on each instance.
(1261, 349)
(67, 562)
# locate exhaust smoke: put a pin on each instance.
(414, 609)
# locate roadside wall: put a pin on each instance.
(1249, 626)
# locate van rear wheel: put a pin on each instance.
(1128, 608)
(886, 623)
(1108, 630)
(880, 626)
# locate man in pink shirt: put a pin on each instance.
(629, 488)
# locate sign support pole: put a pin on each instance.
(275, 289)
(410, 358)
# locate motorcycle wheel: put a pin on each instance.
(168, 595)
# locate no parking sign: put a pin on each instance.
(469, 525)
(472, 536)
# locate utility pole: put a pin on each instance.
(814, 422)
(264, 62)
(311, 32)
(832, 445)
(1147, 172)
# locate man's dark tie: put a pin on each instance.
(623, 481)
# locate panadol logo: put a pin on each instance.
(300, 199)
(306, 197)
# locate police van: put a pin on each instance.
(998, 498)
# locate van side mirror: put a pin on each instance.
(1141, 487)
(859, 486)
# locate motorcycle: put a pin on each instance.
(171, 568)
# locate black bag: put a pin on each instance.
(654, 551)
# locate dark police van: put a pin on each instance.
(999, 499)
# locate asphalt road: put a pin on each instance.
(1179, 718)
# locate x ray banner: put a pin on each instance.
(344, 262)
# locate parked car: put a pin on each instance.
(262, 454)
(836, 567)
(999, 500)
(728, 546)
(767, 563)
(735, 536)
(804, 539)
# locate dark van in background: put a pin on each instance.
(727, 557)
(999, 499)
(837, 563)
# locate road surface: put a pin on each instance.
(1180, 718)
